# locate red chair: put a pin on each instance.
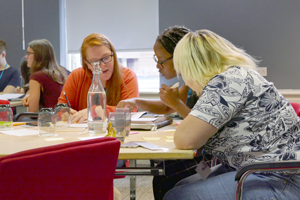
(4, 102)
(296, 107)
(76, 170)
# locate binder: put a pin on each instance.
(161, 121)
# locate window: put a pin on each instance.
(141, 62)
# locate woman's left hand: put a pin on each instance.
(79, 116)
(169, 96)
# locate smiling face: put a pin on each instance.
(95, 53)
(167, 68)
(29, 56)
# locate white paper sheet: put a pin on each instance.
(9, 96)
(151, 146)
(143, 120)
(21, 132)
(83, 125)
(89, 137)
(137, 115)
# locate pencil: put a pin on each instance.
(19, 123)
(67, 100)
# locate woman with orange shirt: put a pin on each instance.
(119, 82)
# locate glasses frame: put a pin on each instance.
(29, 53)
(161, 63)
(101, 60)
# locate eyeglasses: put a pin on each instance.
(28, 53)
(161, 63)
(105, 60)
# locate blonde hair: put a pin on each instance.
(113, 85)
(202, 54)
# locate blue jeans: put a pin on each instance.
(223, 186)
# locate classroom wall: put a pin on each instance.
(268, 30)
(41, 19)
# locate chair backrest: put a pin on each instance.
(296, 107)
(76, 170)
(26, 116)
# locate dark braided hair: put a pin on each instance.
(171, 36)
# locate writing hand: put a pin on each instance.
(79, 116)
(25, 100)
(19, 90)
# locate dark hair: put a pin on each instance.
(44, 59)
(3, 46)
(25, 73)
(171, 36)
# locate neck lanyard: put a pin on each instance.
(3, 71)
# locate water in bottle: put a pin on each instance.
(96, 104)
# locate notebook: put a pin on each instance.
(150, 122)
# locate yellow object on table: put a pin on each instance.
(151, 138)
(111, 131)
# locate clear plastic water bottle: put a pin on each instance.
(96, 104)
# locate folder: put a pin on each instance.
(151, 124)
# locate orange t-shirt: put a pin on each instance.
(78, 83)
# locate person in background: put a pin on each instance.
(47, 77)
(171, 100)
(25, 73)
(9, 76)
(240, 118)
(119, 82)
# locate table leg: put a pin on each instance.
(132, 182)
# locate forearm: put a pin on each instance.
(33, 106)
(154, 106)
(9, 89)
(182, 109)
(193, 133)
(33, 103)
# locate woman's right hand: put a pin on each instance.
(127, 103)
(78, 117)
(19, 90)
(25, 100)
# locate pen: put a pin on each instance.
(82, 131)
(67, 100)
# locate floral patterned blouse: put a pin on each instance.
(255, 123)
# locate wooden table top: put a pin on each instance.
(11, 144)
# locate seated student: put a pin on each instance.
(25, 73)
(119, 82)
(47, 77)
(240, 118)
(171, 100)
(9, 76)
